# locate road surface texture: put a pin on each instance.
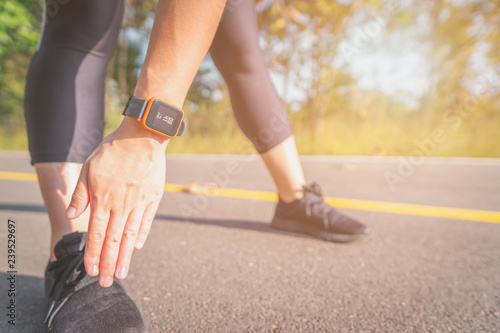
(213, 264)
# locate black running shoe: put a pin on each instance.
(76, 301)
(312, 216)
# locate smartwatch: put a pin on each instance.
(157, 115)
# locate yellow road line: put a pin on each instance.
(173, 188)
(374, 206)
(418, 210)
(18, 176)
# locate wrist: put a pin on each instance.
(130, 128)
(158, 85)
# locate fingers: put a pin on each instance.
(134, 235)
(147, 220)
(110, 244)
(127, 244)
(111, 249)
(80, 198)
(95, 239)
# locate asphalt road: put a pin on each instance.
(213, 264)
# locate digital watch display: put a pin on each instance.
(157, 115)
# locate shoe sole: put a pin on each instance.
(311, 230)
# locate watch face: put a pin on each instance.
(164, 118)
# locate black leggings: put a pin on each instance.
(64, 100)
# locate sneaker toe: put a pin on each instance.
(343, 224)
(98, 309)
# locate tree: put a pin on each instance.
(19, 26)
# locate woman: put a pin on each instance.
(122, 177)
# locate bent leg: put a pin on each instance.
(261, 115)
(258, 109)
(64, 98)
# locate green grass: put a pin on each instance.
(13, 140)
(337, 135)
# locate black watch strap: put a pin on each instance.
(137, 106)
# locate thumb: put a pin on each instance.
(80, 198)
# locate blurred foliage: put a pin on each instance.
(19, 25)
(308, 45)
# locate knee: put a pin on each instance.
(234, 57)
(244, 61)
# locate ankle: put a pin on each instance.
(291, 195)
(57, 235)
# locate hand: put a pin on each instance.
(123, 182)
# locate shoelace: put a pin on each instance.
(315, 202)
(67, 277)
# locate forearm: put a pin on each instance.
(181, 36)
(182, 33)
